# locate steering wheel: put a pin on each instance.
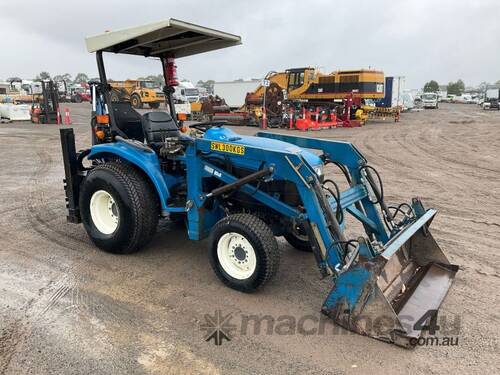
(204, 126)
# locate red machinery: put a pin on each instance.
(351, 103)
(313, 119)
(317, 118)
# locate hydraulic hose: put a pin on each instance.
(345, 245)
(339, 214)
(358, 204)
(378, 190)
(331, 218)
(342, 168)
(409, 213)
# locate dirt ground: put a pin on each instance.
(68, 308)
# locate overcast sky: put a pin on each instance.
(421, 40)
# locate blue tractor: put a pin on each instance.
(244, 191)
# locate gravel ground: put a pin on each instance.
(68, 308)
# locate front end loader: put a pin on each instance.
(244, 191)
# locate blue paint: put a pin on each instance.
(348, 288)
(227, 135)
(146, 161)
(386, 101)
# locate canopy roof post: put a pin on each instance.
(168, 90)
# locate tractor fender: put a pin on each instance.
(145, 161)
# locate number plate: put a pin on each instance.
(227, 147)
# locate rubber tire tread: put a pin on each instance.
(296, 243)
(143, 203)
(265, 245)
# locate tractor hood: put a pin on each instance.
(227, 135)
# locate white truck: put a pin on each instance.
(491, 99)
(186, 92)
(430, 100)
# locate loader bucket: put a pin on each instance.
(392, 295)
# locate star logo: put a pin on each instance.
(218, 327)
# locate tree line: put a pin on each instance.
(83, 78)
(455, 88)
(79, 78)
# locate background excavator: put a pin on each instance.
(299, 88)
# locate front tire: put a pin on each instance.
(136, 101)
(115, 96)
(297, 237)
(119, 208)
(244, 253)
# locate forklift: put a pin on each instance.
(44, 109)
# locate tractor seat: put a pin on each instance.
(128, 120)
(158, 126)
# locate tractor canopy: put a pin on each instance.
(165, 40)
(170, 37)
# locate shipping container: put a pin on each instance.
(234, 92)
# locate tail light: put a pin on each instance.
(171, 72)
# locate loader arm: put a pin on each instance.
(284, 165)
(356, 200)
(399, 277)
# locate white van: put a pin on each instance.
(430, 100)
(463, 99)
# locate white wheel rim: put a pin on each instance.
(236, 256)
(104, 212)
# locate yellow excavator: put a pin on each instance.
(310, 87)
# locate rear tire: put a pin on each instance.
(119, 208)
(244, 253)
(154, 105)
